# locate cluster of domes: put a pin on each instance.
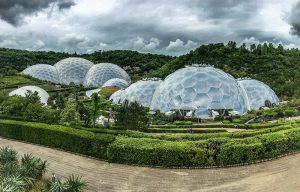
(78, 71)
(198, 88)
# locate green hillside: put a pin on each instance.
(276, 66)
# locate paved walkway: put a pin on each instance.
(282, 175)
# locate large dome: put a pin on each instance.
(43, 72)
(102, 72)
(22, 91)
(116, 82)
(258, 93)
(73, 70)
(141, 91)
(199, 88)
(118, 96)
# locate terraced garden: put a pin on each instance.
(213, 146)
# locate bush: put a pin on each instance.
(290, 113)
(69, 139)
(183, 123)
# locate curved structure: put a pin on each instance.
(199, 88)
(89, 93)
(102, 72)
(43, 72)
(73, 70)
(116, 82)
(258, 93)
(44, 96)
(141, 91)
(118, 96)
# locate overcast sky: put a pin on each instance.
(169, 27)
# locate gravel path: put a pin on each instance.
(280, 175)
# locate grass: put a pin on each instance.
(16, 80)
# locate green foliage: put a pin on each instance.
(56, 136)
(69, 115)
(132, 116)
(106, 92)
(156, 148)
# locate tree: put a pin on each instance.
(69, 115)
(95, 108)
(132, 116)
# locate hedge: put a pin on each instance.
(56, 136)
(217, 151)
(133, 148)
(237, 126)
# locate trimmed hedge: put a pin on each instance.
(237, 126)
(56, 136)
(217, 151)
(178, 130)
(132, 147)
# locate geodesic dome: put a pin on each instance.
(118, 96)
(141, 91)
(258, 93)
(22, 91)
(43, 72)
(199, 88)
(116, 82)
(89, 93)
(73, 70)
(102, 72)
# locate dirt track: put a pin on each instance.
(282, 175)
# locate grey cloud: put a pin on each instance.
(294, 19)
(13, 11)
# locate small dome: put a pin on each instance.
(73, 70)
(116, 82)
(44, 96)
(43, 72)
(141, 92)
(102, 72)
(258, 93)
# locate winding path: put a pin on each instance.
(281, 175)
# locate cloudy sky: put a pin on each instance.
(169, 27)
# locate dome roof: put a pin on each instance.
(199, 88)
(72, 70)
(89, 93)
(22, 91)
(258, 93)
(118, 96)
(43, 72)
(141, 92)
(116, 82)
(102, 72)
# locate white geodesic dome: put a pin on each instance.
(89, 93)
(199, 88)
(22, 91)
(118, 96)
(43, 72)
(102, 72)
(258, 93)
(141, 91)
(116, 82)
(73, 70)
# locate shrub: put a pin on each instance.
(56, 136)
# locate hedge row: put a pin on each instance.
(211, 152)
(157, 152)
(195, 137)
(160, 130)
(56, 136)
(237, 126)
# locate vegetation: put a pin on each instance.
(22, 175)
(275, 66)
(135, 147)
(132, 116)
